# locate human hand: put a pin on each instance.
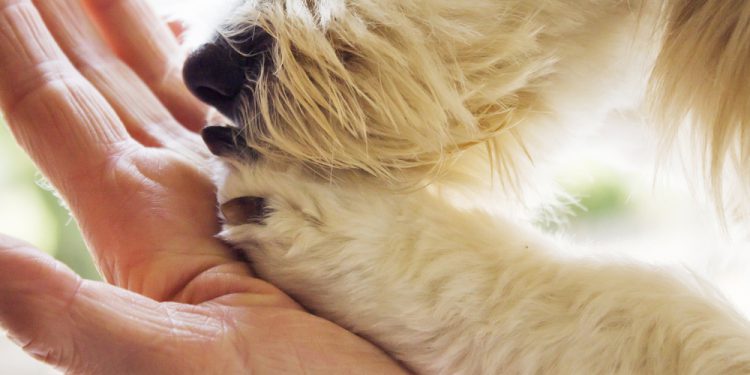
(109, 122)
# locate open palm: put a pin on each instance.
(100, 107)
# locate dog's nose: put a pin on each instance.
(215, 75)
(217, 72)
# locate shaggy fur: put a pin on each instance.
(369, 124)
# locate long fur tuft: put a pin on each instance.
(403, 88)
(702, 79)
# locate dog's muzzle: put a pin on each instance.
(217, 72)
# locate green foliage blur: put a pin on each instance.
(603, 194)
(30, 211)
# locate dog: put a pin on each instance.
(378, 149)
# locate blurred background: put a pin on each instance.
(620, 209)
(30, 209)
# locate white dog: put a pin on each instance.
(371, 136)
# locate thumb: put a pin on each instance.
(83, 326)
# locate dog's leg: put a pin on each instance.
(460, 292)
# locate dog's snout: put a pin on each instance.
(217, 72)
(214, 75)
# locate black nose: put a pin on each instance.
(217, 72)
(215, 75)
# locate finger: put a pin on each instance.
(145, 117)
(84, 326)
(147, 44)
(51, 109)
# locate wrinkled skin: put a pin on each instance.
(108, 121)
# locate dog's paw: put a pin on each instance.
(269, 211)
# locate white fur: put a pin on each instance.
(379, 187)
(452, 291)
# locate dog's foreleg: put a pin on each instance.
(456, 291)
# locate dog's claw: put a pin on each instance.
(228, 142)
(223, 141)
(245, 210)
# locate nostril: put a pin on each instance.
(213, 94)
(213, 74)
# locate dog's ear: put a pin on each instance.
(228, 142)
